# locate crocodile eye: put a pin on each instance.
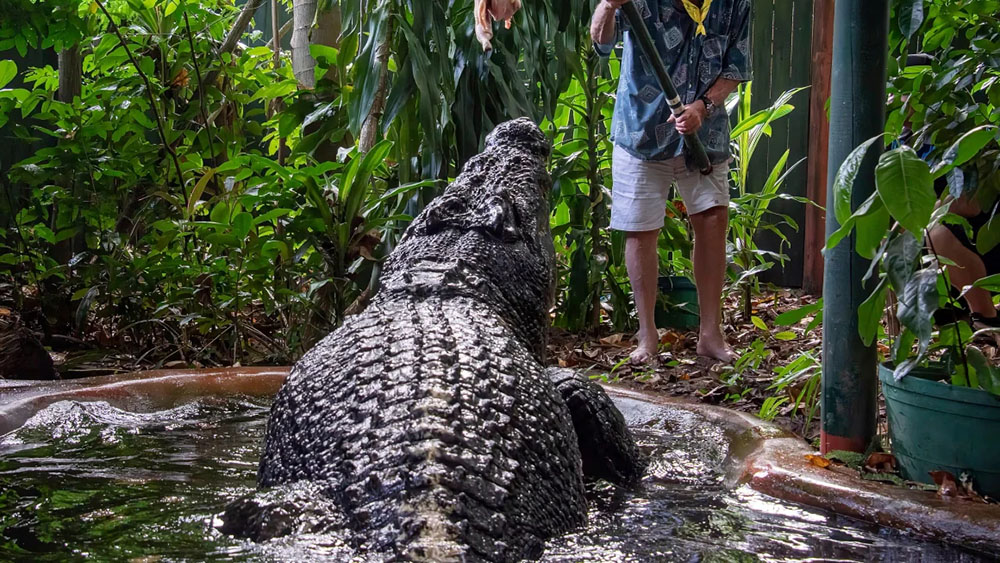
(444, 212)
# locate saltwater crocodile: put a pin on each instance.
(427, 426)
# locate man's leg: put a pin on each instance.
(643, 266)
(710, 227)
(968, 268)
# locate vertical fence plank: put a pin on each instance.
(782, 36)
(819, 132)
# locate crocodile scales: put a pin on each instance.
(427, 426)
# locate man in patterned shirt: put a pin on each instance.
(705, 45)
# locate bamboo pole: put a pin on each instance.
(641, 34)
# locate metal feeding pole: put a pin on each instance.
(641, 33)
(857, 113)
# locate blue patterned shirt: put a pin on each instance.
(693, 61)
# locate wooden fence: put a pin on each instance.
(790, 50)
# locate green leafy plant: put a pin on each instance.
(950, 109)
(749, 211)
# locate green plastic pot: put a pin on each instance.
(938, 426)
(677, 303)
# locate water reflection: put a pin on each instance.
(87, 480)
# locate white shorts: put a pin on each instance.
(641, 188)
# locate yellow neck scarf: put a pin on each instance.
(698, 14)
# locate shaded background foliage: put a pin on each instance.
(192, 203)
(198, 200)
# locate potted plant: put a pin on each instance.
(941, 392)
(677, 299)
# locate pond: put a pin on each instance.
(86, 480)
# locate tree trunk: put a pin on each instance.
(326, 32)
(70, 85)
(369, 131)
(70, 74)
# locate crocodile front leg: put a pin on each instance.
(606, 444)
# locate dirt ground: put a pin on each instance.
(761, 346)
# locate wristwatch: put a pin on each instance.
(710, 107)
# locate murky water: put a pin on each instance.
(89, 481)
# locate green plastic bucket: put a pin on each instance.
(938, 426)
(677, 303)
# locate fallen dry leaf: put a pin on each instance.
(614, 340)
(818, 461)
(669, 337)
(947, 487)
(879, 462)
(567, 362)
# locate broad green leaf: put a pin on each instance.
(917, 304)
(220, 213)
(988, 236)
(8, 70)
(843, 183)
(242, 223)
(796, 315)
(989, 283)
(758, 322)
(900, 259)
(83, 309)
(199, 189)
(905, 185)
(911, 16)
(785, 335)
(965, 148)
(273, 248)
(870, 313)
(871, 228)
(985, 374)
(271, 215)
(847, 226)
(328, 55)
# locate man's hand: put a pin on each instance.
(602, 27)
(690, 121)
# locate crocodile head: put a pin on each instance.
(487, 236)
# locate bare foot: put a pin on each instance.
(646, 351)
(713, 345)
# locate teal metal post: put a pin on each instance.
(857, 113)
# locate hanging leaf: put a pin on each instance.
(965, 148)
(988, 236)
(843, 183)
(905, 185)
(911, 16)
(871, 228)
(900, 259)
(870, 313)
(8, 70)
(917, 304)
